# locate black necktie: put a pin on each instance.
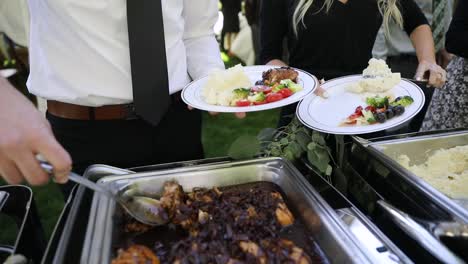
(148, 59)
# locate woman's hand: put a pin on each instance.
(437, 75)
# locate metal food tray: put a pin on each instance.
(331, 234)
(417, 149)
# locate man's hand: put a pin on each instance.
(24, 133)
(437, 75)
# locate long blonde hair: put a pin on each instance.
(388, 9)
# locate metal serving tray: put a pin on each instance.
(332, 235)
(417, 149)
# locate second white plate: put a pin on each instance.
(326, 115)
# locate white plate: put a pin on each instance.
(192, 93)
(325, 115)
(7, 73)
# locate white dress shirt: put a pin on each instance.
(79, 50)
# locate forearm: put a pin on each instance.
(203, 56)
(422, 40)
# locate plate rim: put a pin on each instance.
(423, 101)
(257, 108)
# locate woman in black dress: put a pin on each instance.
(231, 10)
(332, 38)
(449, 106)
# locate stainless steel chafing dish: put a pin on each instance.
(332, 235)
(417, 149)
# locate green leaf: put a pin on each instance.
(311, 146)
(303, 139)
(296, 149)
(288, 154)
(266, 134)
(318, 138)
(244, 147)
(329, 170)
(284, 141)
(319, 158)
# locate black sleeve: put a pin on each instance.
(413, 17)
(457, 35)
(273, 29)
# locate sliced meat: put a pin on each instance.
(276, 75)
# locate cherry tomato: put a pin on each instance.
(286, 92)
(260, 103)
(243, 103)
(273, 97)
(370, 108)
(261, 88)
(358, 110)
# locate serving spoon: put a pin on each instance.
(144, 209)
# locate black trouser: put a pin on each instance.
(130, 143)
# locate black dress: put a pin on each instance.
(331, 44)
(231, 9)
(457, 35)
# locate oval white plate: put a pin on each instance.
(325, 115)
(192, 94)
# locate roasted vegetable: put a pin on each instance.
(403, 101)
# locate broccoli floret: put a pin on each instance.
(403, 101)
(377, 102)
(291, 85)
(257, 97)
(241, 93)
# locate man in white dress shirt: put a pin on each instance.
(81, 57)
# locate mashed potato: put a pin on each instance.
(446, 170)
(381, 79)
(220, 84)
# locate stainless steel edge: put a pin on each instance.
(420, 234)
(455, 209)
(3, 198)
(94, 172)
(332, 230)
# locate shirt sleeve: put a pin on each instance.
(273, 29)
(413, 17)
(203, 54)
(457, 35)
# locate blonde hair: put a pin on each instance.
(388, 9)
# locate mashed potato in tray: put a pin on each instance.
(446, 170)
(220, 84)
(379, 79)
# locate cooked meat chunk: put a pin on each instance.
(172, 197)
(136, 227)
(283, 215)
(276, 75)
(253, 249)
(136, 254)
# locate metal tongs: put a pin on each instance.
(144, 209)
